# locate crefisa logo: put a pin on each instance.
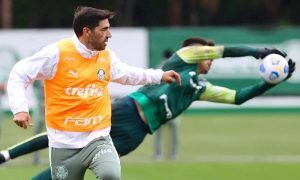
(100, 74)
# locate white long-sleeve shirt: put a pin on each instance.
(43, 65)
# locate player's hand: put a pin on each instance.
(169, 76)
(263, 52)
(292, 67)
(23, 119)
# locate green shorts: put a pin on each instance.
(99, 156)
(128, 129)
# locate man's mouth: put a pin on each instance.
(105, 42)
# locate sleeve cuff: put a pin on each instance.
(20, 109)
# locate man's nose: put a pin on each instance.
(109, 34)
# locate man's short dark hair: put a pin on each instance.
(197, 40)
(89, 17)
(167, 53)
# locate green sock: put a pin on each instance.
(38, 142)
(44, 175)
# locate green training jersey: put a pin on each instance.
(163, 102)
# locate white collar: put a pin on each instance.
(82, 49)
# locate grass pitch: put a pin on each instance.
(225, 146)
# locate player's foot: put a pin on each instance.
(157, 157)
(36, 158)
(2, 158)
(173, 157)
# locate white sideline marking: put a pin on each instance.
(248, 158)
(257, 102)
(226, 159)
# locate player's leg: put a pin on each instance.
(157, 144)
(37, 142)
(128, 129)
(44, 175)
(39, 127)
(173, 125)
(38, 115)
(99, 155)
(1, 116)
(66, 164)
(104, 162)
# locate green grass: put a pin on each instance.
(225, 146)
(211, 171)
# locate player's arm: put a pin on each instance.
(42, 65)
(244, 94)
(258, 53)
(229, 96)
(130, 75)
(196, 54)
(224, 95)
(35, 143)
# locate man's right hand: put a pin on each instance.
(23, 119)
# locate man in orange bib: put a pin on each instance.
(76, 72)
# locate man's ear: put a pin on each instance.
(86, 31)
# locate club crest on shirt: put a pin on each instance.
(101, 74)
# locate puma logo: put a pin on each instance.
(73, 73)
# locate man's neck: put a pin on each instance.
(84, 41)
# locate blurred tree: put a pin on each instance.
(292, 8)
(47, 14)
(151, 13)
(125, 11)
(6, 13)
(203, 12)
(175, 12)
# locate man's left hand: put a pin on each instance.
(292, 67)
(263, 52)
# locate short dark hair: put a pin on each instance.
(197, 40)
(89, 17)
(167, 53)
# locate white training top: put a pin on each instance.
(43, 65)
